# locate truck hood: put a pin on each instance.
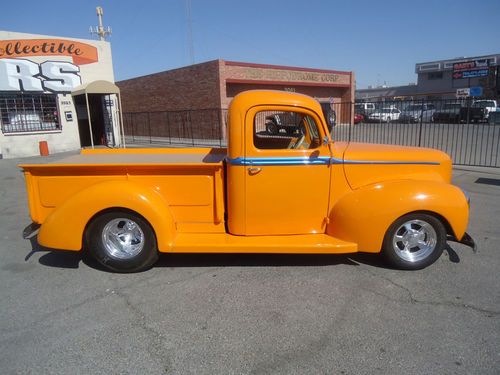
(366, 164)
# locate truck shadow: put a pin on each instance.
(72, 259)
(254, 260)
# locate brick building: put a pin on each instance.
(213, 84)
(156, 105)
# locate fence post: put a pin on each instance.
(131, 122)
(421, 120)
(149, 128)
(351, 123)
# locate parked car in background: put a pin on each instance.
(494, 117)
(457, 113)
(488, 106)
(417, 112)
(358, 118)
(365, 109)
(385, 115)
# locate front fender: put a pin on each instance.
(64, 227)
(364, 215)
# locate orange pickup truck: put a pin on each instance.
(276, 191)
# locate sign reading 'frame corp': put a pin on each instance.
(20, 74)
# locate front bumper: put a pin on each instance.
(30, 230)
(466, 240)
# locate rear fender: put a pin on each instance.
(364, 215)
(65, 226)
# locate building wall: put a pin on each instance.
(446, 86)
(318, 83)
(191, 87)
(96, 65)
(213, 84)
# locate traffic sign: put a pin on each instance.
(476, 91)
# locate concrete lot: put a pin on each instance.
(235, 314)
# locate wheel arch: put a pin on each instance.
(437, 215)
(74, 215)
(364, 215)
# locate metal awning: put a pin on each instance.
(105, 88)
(96, 87)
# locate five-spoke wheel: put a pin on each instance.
(414, 241)
(122, 241)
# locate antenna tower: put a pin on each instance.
(100, 30)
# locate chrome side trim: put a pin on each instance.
(320, 160)
(391, 162)
(304, 160)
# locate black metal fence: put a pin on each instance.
(467, 130)
(203, 127)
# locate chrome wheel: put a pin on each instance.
(122, 238)
(414, 240)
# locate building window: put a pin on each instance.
(435, 75)
(21, 113)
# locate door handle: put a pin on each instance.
(254, 170)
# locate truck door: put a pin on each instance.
(287, 176)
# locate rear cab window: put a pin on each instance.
(274, 130)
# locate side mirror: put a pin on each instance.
(331, 119)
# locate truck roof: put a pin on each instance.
(251, 98)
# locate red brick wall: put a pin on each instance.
(192, 87)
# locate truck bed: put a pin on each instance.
(191, 180)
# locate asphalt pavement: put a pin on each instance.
(250, 314)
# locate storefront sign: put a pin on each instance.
(463, 93)
(81, 53)
(17, 73)
(470, 69)
(470, 74)
(49, 76)
(290, 76)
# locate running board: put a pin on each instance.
(290, 244)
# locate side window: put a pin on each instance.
(274, 130)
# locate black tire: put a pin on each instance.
(143, 253)
(409, 255)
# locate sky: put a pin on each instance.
(381, 41)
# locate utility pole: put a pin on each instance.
(99, 30)
(190, 32)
